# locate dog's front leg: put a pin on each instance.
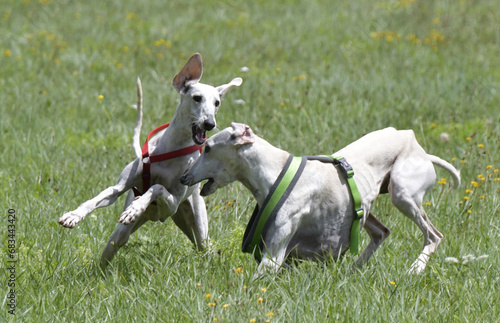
(105, 198)
(275, 250)
(191, 218)
(137, 207)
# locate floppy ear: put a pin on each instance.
(242, 134)
(190, 73)
(222, 89)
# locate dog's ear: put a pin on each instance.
(190, 73)
(222, 89)
(242, 134)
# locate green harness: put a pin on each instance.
(279, 192)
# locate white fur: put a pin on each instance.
(198, 106)
(315, 220)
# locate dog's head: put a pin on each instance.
(220, 161)
(199, 102)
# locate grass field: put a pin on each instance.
(320, 75)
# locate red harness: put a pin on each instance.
(146, 166)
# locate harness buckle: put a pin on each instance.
(349, 172)
(358, 214)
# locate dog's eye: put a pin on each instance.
(197, 98)
(217, 103)
(207, 149)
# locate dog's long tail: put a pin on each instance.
(449, 167)
(138, 123)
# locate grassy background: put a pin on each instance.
(320, 74)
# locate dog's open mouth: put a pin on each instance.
(199, 135)
(206, 189)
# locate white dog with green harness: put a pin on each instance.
(326, 200)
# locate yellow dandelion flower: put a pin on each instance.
(269, 314)
(216, 207)
(260, 300)
(480, 146)
(482, 197)
(238, 270)
(295, 78)
(454, 158)
(496, 179)
(466, 198)
(482, 179)
(198, 285)
(495, 170)
(229, 203)
(428, 203)
(469, 211)
(302, 77)
(225, 306)
(253, 320)
(475, 184)
(100, 97)
(389, 38)
(125, 48)
(282, 104)
(467, 139)
(442, 181)
(461, 202)
(488, 166)
(7, 53)
(392, 283)
(278, 69)
(433, 125)
(462, 161)
(207, 296)
(263, 289)
(215, 319)
(245, 287)
(130, 15)
(468, 191)
(435, 21)
(211, 304)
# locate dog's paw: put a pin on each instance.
(417, 267)
(130, 214)
(70, 219)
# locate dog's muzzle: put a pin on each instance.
(200, 132)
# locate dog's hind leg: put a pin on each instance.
(407, 191)
(191, 218)
(378, 232)
(121, 235)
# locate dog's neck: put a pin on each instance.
(178, 133)
(265, 162)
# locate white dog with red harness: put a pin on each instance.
(319, 216)
(154, 175)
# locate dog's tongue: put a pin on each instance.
(199, 135)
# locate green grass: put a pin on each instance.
(321, 74)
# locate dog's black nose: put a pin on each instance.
(209, 124)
